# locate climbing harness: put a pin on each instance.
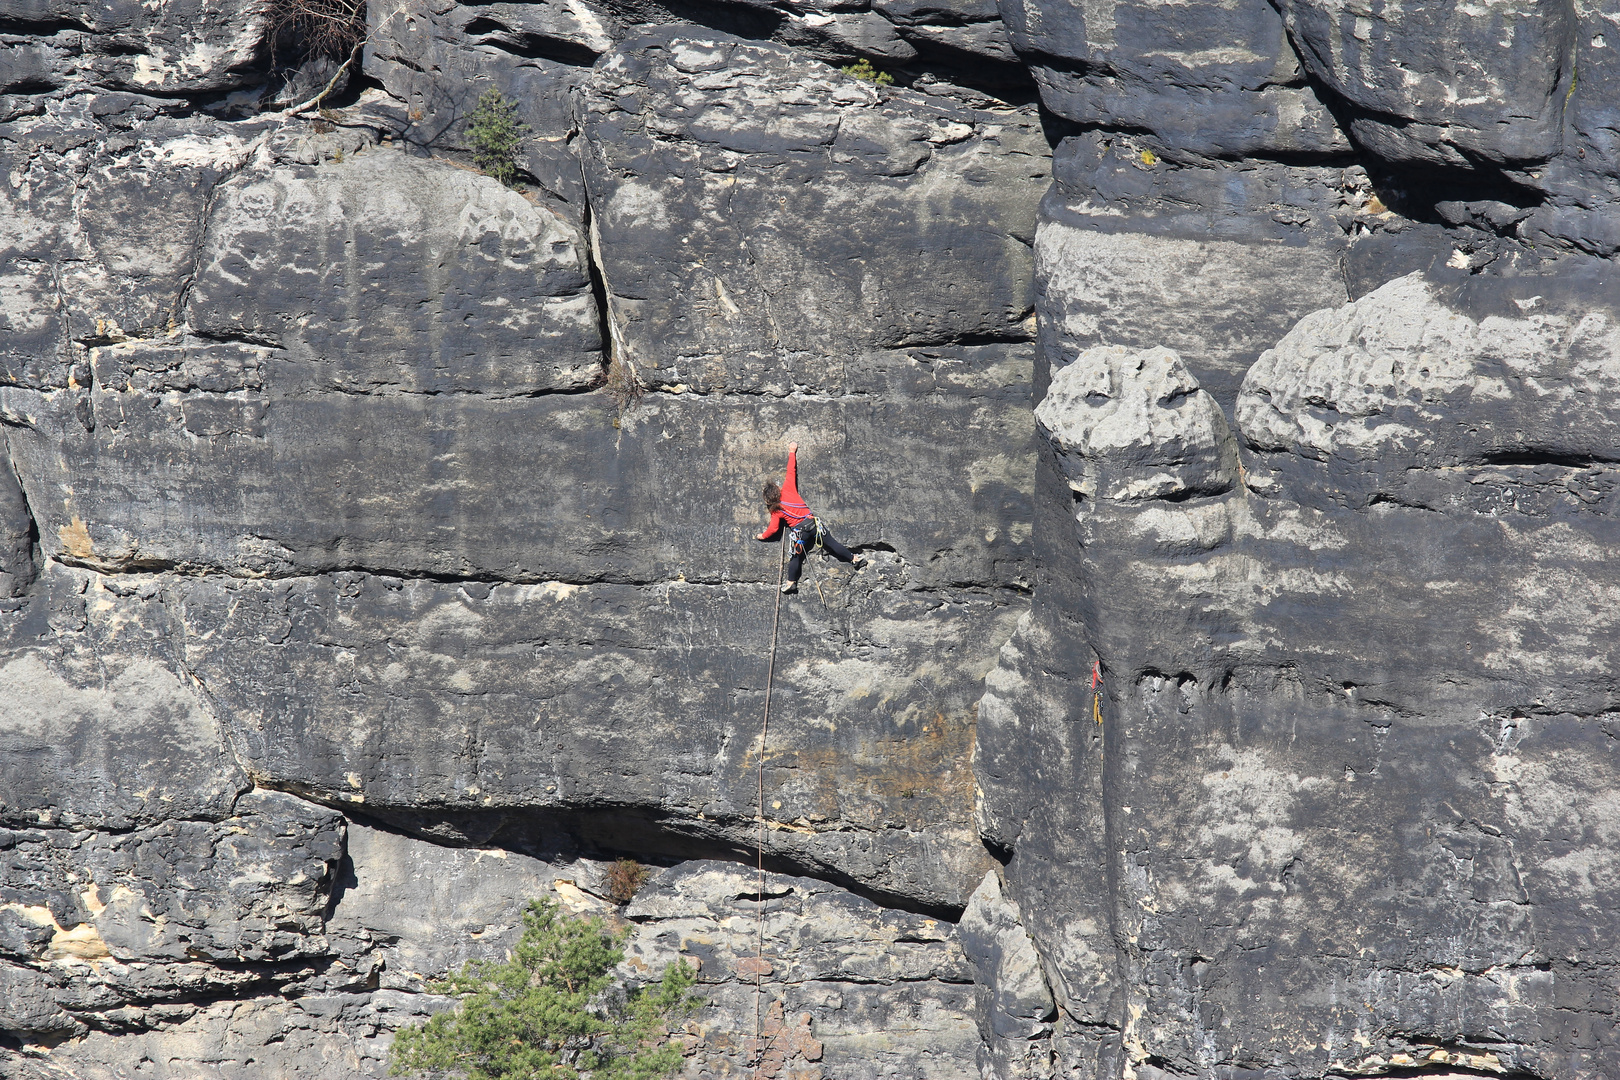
(764, 728)
(812, 528)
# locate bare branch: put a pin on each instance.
(318, 98)
(330, 28)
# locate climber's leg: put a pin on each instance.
(835, 549)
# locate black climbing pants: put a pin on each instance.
(803, 539)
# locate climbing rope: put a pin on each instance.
(759, 848)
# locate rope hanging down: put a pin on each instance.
(759, 848)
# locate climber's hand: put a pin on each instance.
(793, 447)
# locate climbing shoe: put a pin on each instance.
(790, 586)
(859, 562)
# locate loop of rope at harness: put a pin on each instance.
(764, 728)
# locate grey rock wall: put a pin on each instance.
(1214, 259)
(353, 598)
(1325, 704)
(1443, 84)
(320, 947)
(1284, 660)
(16, 537)
(849, 989)
(1220, 394)
(1220, 80)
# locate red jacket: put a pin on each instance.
(794, 509)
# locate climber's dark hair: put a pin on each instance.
(773, 496)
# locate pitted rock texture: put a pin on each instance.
(1128, 426)
(1300, 778)
(1406, 375)
(847, 989)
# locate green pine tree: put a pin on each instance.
(551, 1010)
(495, 133)
(862, 69)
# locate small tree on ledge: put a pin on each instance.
(863, 70)
(551, 1011)
(495, 133)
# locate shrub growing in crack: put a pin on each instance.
(624, 879)
(623, 385)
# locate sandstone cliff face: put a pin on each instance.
(1221, 394)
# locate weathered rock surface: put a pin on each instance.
(1308, 778)
(1409, 397)
(1443, 84)
(169, 47)
(103, 726)
(141, 747)
(848, 989)
(1214, 260)
(1128, 426)
(436, 59)
(1207, 78)
(592, 502)
(338, 480)
(100, 926)
(17, 567)
(1014, 1003)
(512, 704)
(285, 941)
(386, 273)
(724, 173)
(1582, 183)
(955, 43)
(405, 417)
(414, 300)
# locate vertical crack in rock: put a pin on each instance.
(199, 249)
(599, 283)
(19, 532)
(624, 382)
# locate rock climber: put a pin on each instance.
(805, 530)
